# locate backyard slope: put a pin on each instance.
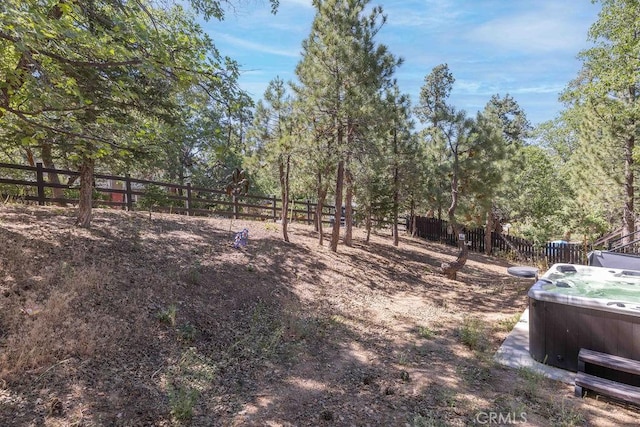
(161, 322)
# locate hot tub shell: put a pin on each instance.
(560, 325)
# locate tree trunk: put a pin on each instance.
(52, 177)
(396, 207)
(414, 225)
(322, 196)
(396, 189)
(412, 218)
(29, 154)
(86, 193)
(450, 270)
(488, 229)
(628, 220)
(368, 222)
(348, 214)
(318, 210)
(283, 167)
(396, 238)
(513, 247)
(335, 233)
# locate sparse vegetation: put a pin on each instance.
(562, 414)
(530, 386)
(182, 402)
(168, 315)
(153, 197)
(187, 332)
(428, 420)
(507, 324)
(92, 322)
(191, 376)
(425, 332)
(473, 334)
(194, 276)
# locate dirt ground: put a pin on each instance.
(161, 322)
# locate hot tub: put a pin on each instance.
(575, 306)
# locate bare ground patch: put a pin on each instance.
(160, 323)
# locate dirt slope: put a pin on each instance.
(162, 322)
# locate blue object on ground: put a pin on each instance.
(241, 239)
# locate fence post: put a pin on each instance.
(235, 207)
(40, 180)
(308, 212)
(273, 208)
(128, 195)
(188, 199)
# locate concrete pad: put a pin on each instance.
(514, 352)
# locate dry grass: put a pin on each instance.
(46, 326)
(161, 322)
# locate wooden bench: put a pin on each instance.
(625, 392)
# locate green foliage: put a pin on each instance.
(530, 383)
(202, 142)
(506, 325)
(168, 315)
(264, 337)
(471, 164)
(187, 332)
(472, 333)
(154, 196)
(188, 379)
(536, 199)
(563, 414)
(182, 402)
(426, 332)
(194, 273)
(342, 74)
(113, 84)
(604, 105)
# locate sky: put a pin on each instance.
(525, 48)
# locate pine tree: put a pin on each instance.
(608, 87)
(341, 75)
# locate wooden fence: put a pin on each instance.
(438, 230)
(34, 184)
(123, 192)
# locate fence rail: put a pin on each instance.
(125, 192)
(438, 230)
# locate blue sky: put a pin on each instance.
(526, 48)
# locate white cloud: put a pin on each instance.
(303, 3)
(263, 48)
(548, 27)
(526, 48)
(471, 87)
(427, 16)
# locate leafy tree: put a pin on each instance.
(536, 201)
(507, 127)
(452, 130)
(436, 174)
(372, 187)
(341, 70)
(401, 153)
(274, 132)
(595, 175)
(607, 89)
(153, 197)
(470, 148)
(98, 77)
